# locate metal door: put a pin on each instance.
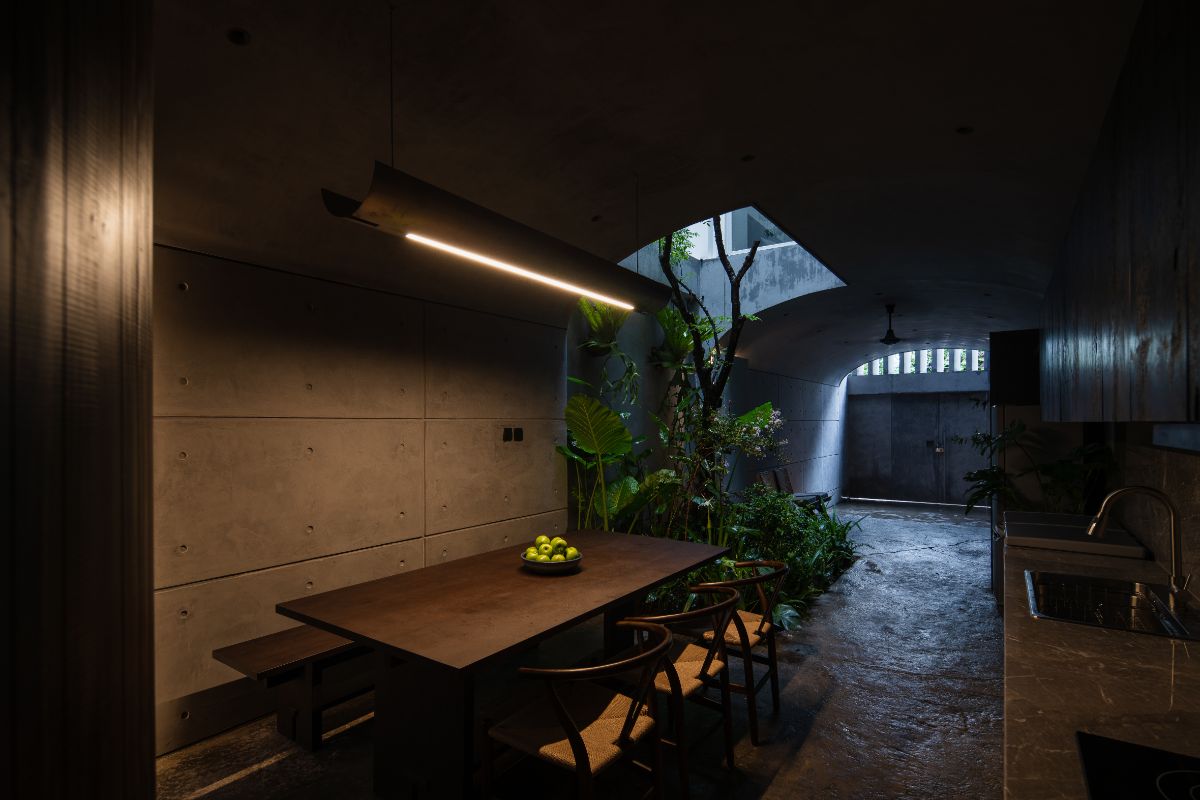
(912, 446)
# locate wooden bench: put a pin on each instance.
(782, 480)
(310, 670)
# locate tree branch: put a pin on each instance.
(703, 373)
(749, 260)
(721, 254)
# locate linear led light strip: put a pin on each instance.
(515, 270)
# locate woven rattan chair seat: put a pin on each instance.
(751, 621)
(688, 663)
(599, 713)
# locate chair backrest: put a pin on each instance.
(718, 612)
(767, 478)
(783, 479)
(767, 584)
(654, 642)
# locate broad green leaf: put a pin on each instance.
(597, 429)
(570, 455)
(656, 485)
(787, 617)
(620, 493)
(758, 414)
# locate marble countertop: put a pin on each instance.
(1060, 678)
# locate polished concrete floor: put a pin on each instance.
(891, 689)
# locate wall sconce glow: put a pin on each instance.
(515, 270)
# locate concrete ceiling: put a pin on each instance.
(611, 127)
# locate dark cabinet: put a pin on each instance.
(1122, 313)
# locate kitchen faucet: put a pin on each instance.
(1099, 523)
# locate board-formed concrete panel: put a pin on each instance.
(235, 495)
(821, 474)
(485, 366)
(242, 341)
(809, 400)
(515, 533)
(473, 477)
(813, 428)
(191, 621)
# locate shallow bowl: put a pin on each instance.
(551, 567)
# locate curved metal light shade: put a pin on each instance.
(402, 205)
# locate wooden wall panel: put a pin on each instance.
(1189, 257)
(235, 495)
(235, 340)
(485, 366)
(191, 621)
(1118, 316)
(1157, 83)
(474, 477)
(76, 158)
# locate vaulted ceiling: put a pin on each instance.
(928, 152)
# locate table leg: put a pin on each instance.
(618, 639)
(424, 731)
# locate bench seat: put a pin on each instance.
(310, 670)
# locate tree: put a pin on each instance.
(712, 352)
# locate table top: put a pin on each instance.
(465, 613)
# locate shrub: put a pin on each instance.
(814, 543)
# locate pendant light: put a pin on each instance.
(429, 217)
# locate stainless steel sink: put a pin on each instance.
(1103, 602)
(1067, 532)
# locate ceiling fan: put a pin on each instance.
(890, 338)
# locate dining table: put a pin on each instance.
(436, 629)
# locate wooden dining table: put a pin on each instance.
(435, 629)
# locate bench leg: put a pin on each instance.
(298, 718)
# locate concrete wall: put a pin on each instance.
(892, 441)
(780, 273)
(309, 435)
(918, 383)
(813, 416)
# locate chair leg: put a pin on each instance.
(727, 714)
(657, 743)
(585, 790)
(773, 667)
(751, 697)
(681, 747)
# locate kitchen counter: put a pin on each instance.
(1060, 678)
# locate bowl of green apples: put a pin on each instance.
(551, 556)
